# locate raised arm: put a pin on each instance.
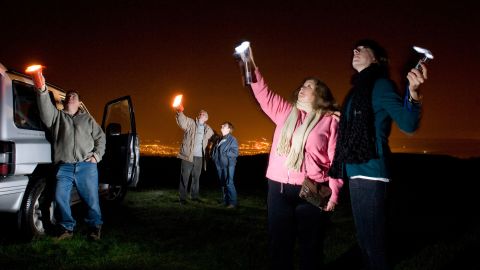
(183, 121)
(48, 111)
(271, 103)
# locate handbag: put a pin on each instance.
(315, 193)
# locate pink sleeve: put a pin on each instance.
(333, 183)
(272, 104)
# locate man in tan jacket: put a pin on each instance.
(192, 151)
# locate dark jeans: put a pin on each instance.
(368, 199)
(290, 217)
(188, 169)
(225, 175)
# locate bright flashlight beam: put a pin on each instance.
(177, 101)
(33, 68)
(426, 52)
(242, 47)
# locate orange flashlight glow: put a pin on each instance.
(34, 68)
(37, 76)
(177, 101)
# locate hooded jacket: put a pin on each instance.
(75, 138)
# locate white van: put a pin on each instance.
(27, 175)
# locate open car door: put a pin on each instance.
(119, 168)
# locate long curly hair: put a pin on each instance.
(324, 99)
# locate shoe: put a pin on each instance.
(95, 233)
(231, 206)
(65, 234)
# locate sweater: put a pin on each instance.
(387, 106)
(75, 138)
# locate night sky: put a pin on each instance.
(153, 50)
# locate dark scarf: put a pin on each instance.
(356, 134)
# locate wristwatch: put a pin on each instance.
(414, 101)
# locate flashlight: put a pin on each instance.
(36, 71)
(177, 101)
(426, 56)
(243, 52)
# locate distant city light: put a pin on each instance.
(156, 148)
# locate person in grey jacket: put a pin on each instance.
(78, 145)
(192, 151)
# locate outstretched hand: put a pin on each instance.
(415, 78)
(179, 108)
(39, 81)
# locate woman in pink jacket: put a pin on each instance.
(303, 147)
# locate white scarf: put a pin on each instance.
(295, 150)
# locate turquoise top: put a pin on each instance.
(387, 106)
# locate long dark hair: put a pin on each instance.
(323, 96)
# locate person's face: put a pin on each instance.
(72, 101)
(307, 91)
(225, 129)
(362, 58)
(202, 117)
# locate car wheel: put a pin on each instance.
(37, 216)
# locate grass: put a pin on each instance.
(434, 225)
(151, 230)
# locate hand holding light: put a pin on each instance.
(243, 52)
(177, 103)
(36, 72)
(418, 75)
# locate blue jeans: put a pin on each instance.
(226, 174)
(84, 176)
(291, 218)
(368, 199)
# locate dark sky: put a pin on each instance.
(153, 50)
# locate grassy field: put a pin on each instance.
(432, 227)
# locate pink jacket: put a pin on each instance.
(319, 147)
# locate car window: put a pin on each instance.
(119, 115)
(25, 109)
